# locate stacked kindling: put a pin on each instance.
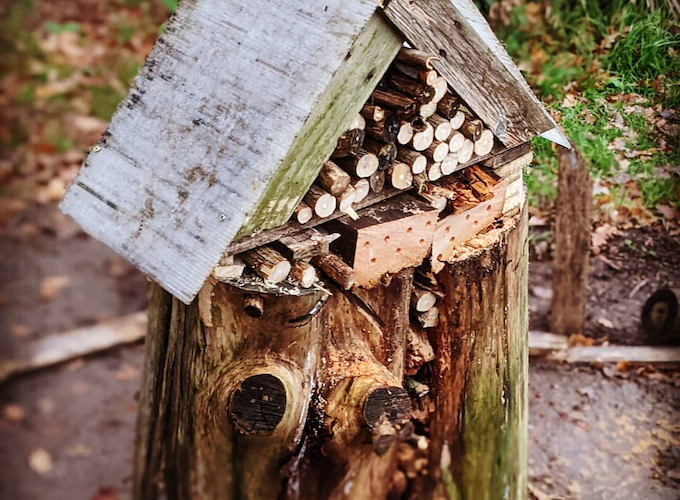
(413, 132)
(412, 124)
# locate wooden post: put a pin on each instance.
(306, 399)
(572, 243)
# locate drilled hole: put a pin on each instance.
(422, 242)
(475, 222)
(452, 239)
(447, 229)
(398, 250)
(467, 217)
(367, 244)
(428, 223)
(488, 208)
(409, 230)
(440, 257)
(387, 238)
(374, 260)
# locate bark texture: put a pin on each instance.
(308, 401)
(572, 244)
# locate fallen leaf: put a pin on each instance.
(79, 450)
(13, 412)
(20, 331)
(40, 461)
(600, 236)
(578, 339)
(668, 212)
(52, 285)
(106, 493)
(127, 372)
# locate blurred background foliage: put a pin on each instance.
(609, 72)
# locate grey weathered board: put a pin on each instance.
(476, 66)
(225, 127)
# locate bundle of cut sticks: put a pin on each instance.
(413, 128)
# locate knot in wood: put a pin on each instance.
(258, 405)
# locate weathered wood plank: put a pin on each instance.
(475, 64)
(217, 121)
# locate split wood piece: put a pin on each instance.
(415, 160)
(386, 152)
(349, 143)
(411, 87)
(573, 209)
(449, 164)
(363, 164)
(303, 213)
(416, 58)
(448, 105)
(267, 263)
(442, 127)
(303, 273)
(389, 237)
(437, 151)
(484, 144)
(440, 87)
(481, 181)
(65, 346)
(395, 101)
(427, 76)
(362, 188)
(305, 244)
(454, 230)
(511, 170)
(456, 142)
(336, 269)
(400, 175)
(457, 190)
(357, 122)
(422, 140)
(385, 130)
(436, 202)
(377, 181)
(466, 151)
(427, 110)
(457, 120)
(423, 300)
(346, 199)
(233, 269)
(418, 350)
(333, 179)
(405, 133)
(434, 171)
(253, 305)
(429, 318)
(373, 112)
(321, 201)
(472, 128)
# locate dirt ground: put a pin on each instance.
(67, 432)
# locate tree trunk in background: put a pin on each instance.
(307, 402)
(572, 243)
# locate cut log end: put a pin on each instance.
(303, 213)
(423, 300)
(258, 405)
(303, 273)
(401, 176)
(484, 144)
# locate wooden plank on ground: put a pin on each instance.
(475, 64)
(230, 119)
(58, 348)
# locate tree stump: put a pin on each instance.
(307, 397)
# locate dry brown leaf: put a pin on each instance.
(578, 339)
(667, 211)
(40, 461)
(20, 331)
(52, 285)
(600, 236)
(13, 412)
(127, 372)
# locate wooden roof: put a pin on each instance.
(239, 104)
